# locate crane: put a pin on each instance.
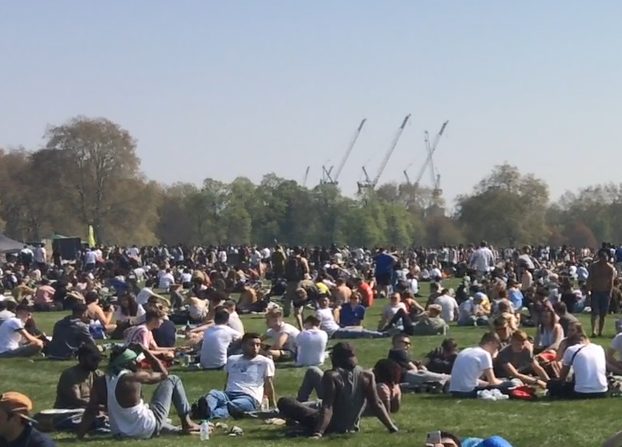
(306, 177)
(327, 173)
(431, 148)
(371, 184)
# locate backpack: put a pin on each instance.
(293, 269)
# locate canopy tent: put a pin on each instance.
(8, 245)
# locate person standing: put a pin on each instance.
(600, 285)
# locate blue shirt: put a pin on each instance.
(351, 316)
(516, 298)
(384, 264)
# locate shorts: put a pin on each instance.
(600, 303)
(383, 279)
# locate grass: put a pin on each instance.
(525, 424)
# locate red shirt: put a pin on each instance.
(367, 295)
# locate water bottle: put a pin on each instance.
(204, 430)
(265, 405)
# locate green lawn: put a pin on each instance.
(525, 424)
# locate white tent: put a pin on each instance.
(8, 245)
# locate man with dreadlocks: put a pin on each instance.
(120, 391)
(346, 389)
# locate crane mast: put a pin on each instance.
(349, 151)
(306, 177)
(372, 184)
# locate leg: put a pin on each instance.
(312, 381)
(593, 313)
(294, 410)
(604, 301)
(27, 350)
(290, 292)
(172, 391)
(239, 404)
(217, 404)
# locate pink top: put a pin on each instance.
(141, 335)
(44, 294)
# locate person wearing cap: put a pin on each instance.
(16, 427)
(15, 340)
(346, 388)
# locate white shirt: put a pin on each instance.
(311, 347)
(40, 255)
(6, 314)
(166, 281)
(144, 295)
(90, 257)
(327, 320)
(247, 376)
(616, 343)
(469, 366)
(186, 277)
(414, 286)
(235, 322)
(590, 367)
(292, 333)
(389, 311)
(216, 341)
(9, 336)
(449, 306)
(222, 257)
(482, 259)
(119, 316)
(133, 251)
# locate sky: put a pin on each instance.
(223, 89)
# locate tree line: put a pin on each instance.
(88, 173)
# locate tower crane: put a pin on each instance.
(306, 177)
(327, 173)
(429, 161)
(370, 184)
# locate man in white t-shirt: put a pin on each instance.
(281, 337)
(311, 343)
(216, 341)
(449, 306)
(235, 322)
(473, 363)
(166, 280)
(482, 260)
(90, 260)
(15, 340)
(250, 377)
(589, 364)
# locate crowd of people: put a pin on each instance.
(174, 305)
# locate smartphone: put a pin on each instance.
(433, 437)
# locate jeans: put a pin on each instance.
(415, 378)
(474, 321)
(504, 388)
(312, 381)
(169, 391)
(222, 403)
(351, 333)
(28, 350)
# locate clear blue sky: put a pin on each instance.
(228, 88)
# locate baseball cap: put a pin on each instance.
(17, 403)
(494, 441)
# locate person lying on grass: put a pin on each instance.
(120, 392)
(346, 388)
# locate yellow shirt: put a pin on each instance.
(322, 288)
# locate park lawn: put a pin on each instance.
(525, 424)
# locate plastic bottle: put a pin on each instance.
(265, 404)
(204, 431)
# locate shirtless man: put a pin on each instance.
(120, 391)
(600, 285)
(345, 389)
(341, 293)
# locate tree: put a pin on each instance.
(505, 208)
(97, 158)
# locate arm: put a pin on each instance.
(379, 410)
(563, 375)
(326, 412)
(513, 372)
(92, 408)
(270, 391)
(489, 374)
(29, 338)
(71, 393)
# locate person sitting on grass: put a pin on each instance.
(16, 427)
(413, 373)
(74, 385)
(15, 339)
(120, 392)
(388, 376)
(143, 335)
(217, 341)
(549, 335)
(352, 313)
(328, 323)
(441, 360)
(250, 376)
(311, 343)
(472, 364)
(517, 361)
(281, 336)
(346, 389)
(70, 333)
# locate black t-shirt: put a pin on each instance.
(165, 335)
(400, 357)
(30, 437)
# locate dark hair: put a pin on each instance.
(131, 310)
(88, 350)
(449, 345)
(560, 307)
(153, 314)
(22, 308)
(312, 320)
(221, 316)
(388, 372)
(250, 336)
(78, 309)
(454, 438)
(91, 297)
(490, 338)
(344, 356)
